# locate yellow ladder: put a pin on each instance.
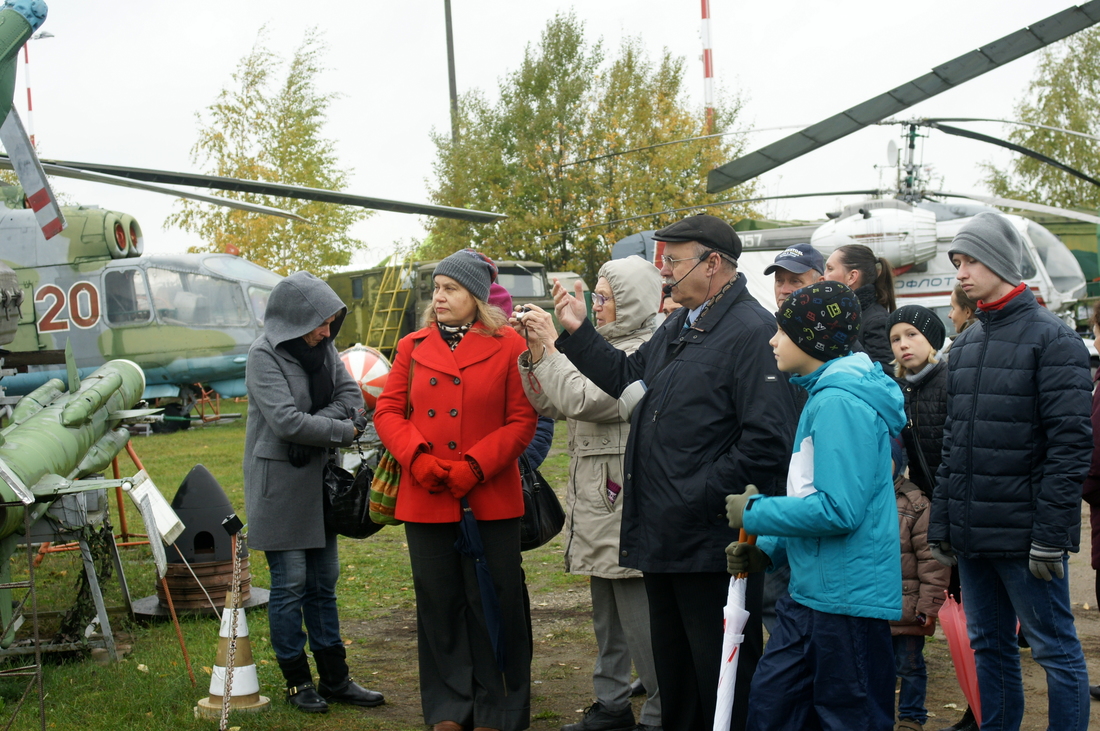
(388, 311)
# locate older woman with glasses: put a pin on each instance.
(624, 302)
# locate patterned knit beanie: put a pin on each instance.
(472, 269)
(822, 319)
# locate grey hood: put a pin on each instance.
(299, 304)
(636, 287)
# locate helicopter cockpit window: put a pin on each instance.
(522, 282)
(196, 300)
(1063, 268)
(126, 297)
(236, 268)
(259, 297)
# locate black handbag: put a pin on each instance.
(347, 501)
(543, 516)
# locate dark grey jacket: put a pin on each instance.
(283, 502)
(1018, 440)
(719, 417)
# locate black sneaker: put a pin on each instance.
(305, 698)
(598, 718)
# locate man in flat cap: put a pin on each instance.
(716, 415)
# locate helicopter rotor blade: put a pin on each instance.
(1021, 205)
(936, 120)
(717, 203)
(64, 172)
(970, 134)
(941, 78)
(284, 191)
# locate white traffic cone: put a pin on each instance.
(244, 693)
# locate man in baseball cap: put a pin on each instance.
(795, 267)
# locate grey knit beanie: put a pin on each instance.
(993, 240)
(472, 269)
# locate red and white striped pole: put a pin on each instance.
(708, 69)
(27, 81)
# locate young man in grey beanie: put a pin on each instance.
(1007, 501)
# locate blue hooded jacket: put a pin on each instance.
(837, 526)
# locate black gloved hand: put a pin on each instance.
(359, 419)
(746, 558)
(943, 552)
(299, 455)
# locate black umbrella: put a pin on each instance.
(469, 544)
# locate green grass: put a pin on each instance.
(149, 689)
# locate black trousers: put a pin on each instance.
(459, 679)
(685, 618)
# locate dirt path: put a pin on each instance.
(565, 650)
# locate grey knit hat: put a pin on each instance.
(993, 240)
(472, 269)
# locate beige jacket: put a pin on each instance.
(597, 437)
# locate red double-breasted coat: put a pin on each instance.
(465, 402)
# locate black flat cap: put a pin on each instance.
(707, 230)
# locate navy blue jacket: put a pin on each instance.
(1018, 439)
(719, 417)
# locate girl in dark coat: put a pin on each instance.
(916, 335)
(872, 279)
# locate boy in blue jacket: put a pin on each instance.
(829, 663)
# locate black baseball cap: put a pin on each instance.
(799, 258)
(709, 231)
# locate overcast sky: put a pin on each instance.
(121, 82)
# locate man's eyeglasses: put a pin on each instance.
(601, 299)
(669, 261)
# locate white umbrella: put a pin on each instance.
(734, 617)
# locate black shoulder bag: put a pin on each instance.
(347, 500)
(543, 516)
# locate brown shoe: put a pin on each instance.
(447, 726)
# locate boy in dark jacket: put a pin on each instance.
(1007, 502)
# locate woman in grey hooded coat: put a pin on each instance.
(302, 404)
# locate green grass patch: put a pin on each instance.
(150, 690)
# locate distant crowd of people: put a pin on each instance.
(878, 467)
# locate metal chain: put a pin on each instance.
(231, 651)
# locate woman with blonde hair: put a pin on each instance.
(455, 417)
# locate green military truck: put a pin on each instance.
(386, 303)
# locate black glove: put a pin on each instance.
(745, 558)
(943, 552)
(300, 455)
(359, 419)
(1046, 562)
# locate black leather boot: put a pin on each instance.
(966, 723)
(335, 685)
(300, 691)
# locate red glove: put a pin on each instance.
(462, 478)
(430, 472)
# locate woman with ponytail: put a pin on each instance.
(872, 279)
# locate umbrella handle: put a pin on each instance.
(745, 538)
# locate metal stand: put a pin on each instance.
(34, 672)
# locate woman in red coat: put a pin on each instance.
(469, 423)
